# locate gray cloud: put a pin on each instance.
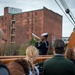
(70, 3)
(7, 2)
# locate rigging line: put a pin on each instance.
(64, 12)
(64, 4)
(73, 17)
(70, 11)
(66, 7)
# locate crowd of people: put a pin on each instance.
(62, 62)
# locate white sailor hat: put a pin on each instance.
(44, 34)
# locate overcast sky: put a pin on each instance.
(27, 5)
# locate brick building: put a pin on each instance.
(18, 27)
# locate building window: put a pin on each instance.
(27, 21)
(13, 17)
(12, 39)
(13, 31)
(35, 13)
(27, 15)
(13, 23)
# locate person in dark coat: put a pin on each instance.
(58, 64)
(3, 69)
(43, 45)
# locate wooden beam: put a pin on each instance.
(7, 59)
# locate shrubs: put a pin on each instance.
(24, 46)
(22, 49)
(10, 49)
(13, 49)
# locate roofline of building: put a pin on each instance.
(37, 10)
(52, 11)
(32, 11)
(12, 7)
(27, 11)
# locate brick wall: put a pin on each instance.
(52, 24)
(22, 25)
